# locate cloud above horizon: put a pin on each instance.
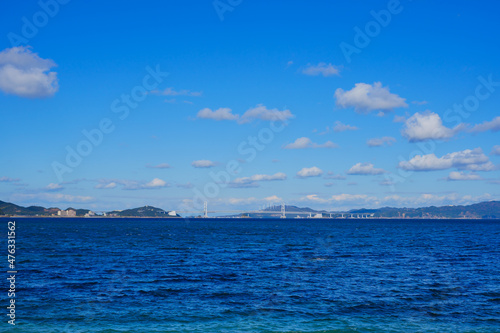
(173, 92)
(309, 172)
(321, 69)
(365, 169)
(304, 143)
(340, 127)
(365, 98)
(427, 126)
(493, 125)
(253, 181)
(469, 159)
(203, 164)
(460, 175)
(132, 185)
(24, 74)
(159, 166)
(260, 112)
(379, 142)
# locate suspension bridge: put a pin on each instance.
(282, 213)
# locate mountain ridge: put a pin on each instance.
(481, 210)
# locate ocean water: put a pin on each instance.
(253, 275)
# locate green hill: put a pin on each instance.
(146, 211)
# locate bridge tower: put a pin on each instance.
(205, 209)
(283, 211)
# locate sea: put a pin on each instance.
(254, 275)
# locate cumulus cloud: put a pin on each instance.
(364, 169)
(378, 142)
(303, 143)
(399, 119)
(126, 184)
(106, 186)
(53, 197)
(495, 150)
(260, 112)
(203, 164)
(460, 175)
(472, 160)
(253, 180)
(263, 113)
(54, 187)
(173, 92)
(321, 69)
(159, 166)
(309, 172)
(365, 98)
(340, 127)
(219, 114)
(332, 175)
(493, 126)
(25, 74)
(8, 180)
(427, 126)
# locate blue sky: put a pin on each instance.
(331, 105)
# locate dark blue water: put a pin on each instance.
(242, 275)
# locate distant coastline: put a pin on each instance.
(478, 211)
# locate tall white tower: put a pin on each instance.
(283, 211)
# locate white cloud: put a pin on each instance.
(427, 126)
(399, 119)
(460, 175)
(303, 143)
(252, 181)
(365, 98)
(365, 169)
(309, 172)
(331, 175)
(339, 127)
(159, 166)
(203, 164)
(246, 201)
(131, 184)
(263, 113)
(25, 74)
(173, 92)
(156, 183)
(53, 197)
(495, 150)
(321, 69)
(378, 142)
(106, 186)
(473, 160)
(493, 126)
(54, 187)
(8, 180)
(276, 176)
(259, 112)
(219, 114)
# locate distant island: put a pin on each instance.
(483, 210)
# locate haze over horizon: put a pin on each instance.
(248, 103)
